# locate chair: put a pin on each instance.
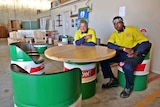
(26, 56)
(14, 37)
(141, 72)
(39, 38)
(61, 89)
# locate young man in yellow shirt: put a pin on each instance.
(84, 35)
(131, 47)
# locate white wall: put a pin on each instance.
(9, 13)
(140, 13)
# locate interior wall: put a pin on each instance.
(65, 12)
(140, 13)
(16, 13)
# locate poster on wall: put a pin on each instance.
(122, 11)
(82, 14)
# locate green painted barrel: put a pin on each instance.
(40, 48)
(140, 75)
(51, 90)
(88, 77)
(140, 81)
(22, 59)
(17, 54)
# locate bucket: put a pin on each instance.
(88, 77)
(65, 39)
(40, 48)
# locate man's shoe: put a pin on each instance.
(126, 93)
(112, 83)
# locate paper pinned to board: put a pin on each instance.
(122, 11)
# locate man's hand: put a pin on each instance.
(130, 52)
(132, 55)
(88, 36)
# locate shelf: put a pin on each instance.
(58, 25)
(74, 15)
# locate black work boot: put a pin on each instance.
(112, 83)
(126, 92)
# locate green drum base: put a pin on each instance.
(140, 81)
(41, 49)
(88, 89)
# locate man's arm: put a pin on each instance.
(80, 41)
(143, 48)
(89, 44)
(113, 46)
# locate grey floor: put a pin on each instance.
(102, 98)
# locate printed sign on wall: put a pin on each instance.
(82, 14)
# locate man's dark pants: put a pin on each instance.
(128, 67)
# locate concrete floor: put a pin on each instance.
(103, 97)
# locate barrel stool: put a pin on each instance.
(28, 59)
(140, 75)
(89, 75)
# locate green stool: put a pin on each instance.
(61, 89)
(140, 75)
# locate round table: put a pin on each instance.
(72, 53)
(83, 57)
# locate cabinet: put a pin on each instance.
(13, 25)
(3, 32)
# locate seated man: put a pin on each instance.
(131, 47)
(84, 35)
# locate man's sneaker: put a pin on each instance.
(112, 83)
(126, 93)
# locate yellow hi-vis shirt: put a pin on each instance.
(79, 35)
(129, 38)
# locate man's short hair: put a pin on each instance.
(83, 21)
(117, 19)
